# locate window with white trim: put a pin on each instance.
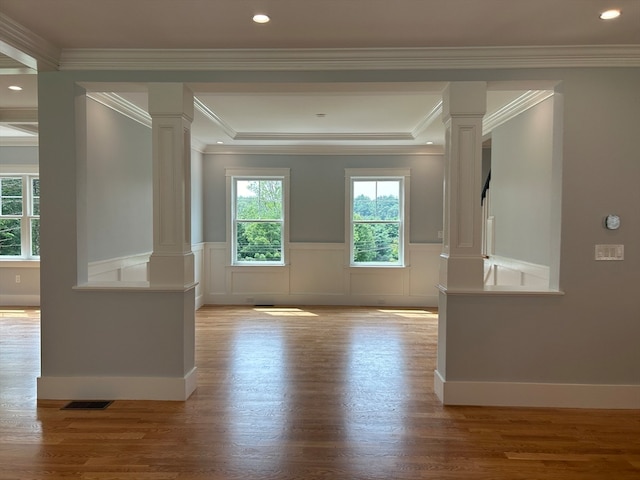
(19, 216)
(259, 209)
(377, 217)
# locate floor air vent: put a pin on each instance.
(88, 405)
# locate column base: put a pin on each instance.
(462, 272)
(117, 388)
(171, 269)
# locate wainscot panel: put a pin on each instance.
(318, 274)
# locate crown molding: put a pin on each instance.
(323, 150)
(122, 106)
(325, 137)
(521, 104)
(214, 118)
(352, 59)
(19, 115)
(19, 141)
(428, 120)
(26, 47)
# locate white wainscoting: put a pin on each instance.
(316, 275)
(198, 270)
(132, 268)
(502, 271)
(135, 269)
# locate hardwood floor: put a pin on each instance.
(301, 393)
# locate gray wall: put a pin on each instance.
(521, 167)
(18, 155)
(589, 335)
(317, 194)
(119, 185)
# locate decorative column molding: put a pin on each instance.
(171, 110)
(464, 105)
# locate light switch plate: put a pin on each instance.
(609, 252)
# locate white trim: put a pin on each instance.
(19, 141)
(529, 268)
(122, 106)
(428, 120)
(259, 173)
(214, 118)
(352, 59)
(323, 150)
(118, 264)
(117, 388)
(326, 137)
(519, 394)
(521, 104)
(10, 169)
(357, 174)
(19, 115)
(19, 300)
(26, 47)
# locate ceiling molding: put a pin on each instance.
(19, 142)
(19, 115)
(323, 150)
(352, 59)
(26, 47)
(213, 117)
(428, 120)
(521, 104)
(325, 137)
(122, 106)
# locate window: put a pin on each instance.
(19, 216)
(258, 217)
(377, 218)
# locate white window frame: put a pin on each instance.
(380, 174)
(27, 175)
(232, 176)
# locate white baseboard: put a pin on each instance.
(517, 394)
(426, 301)
(117, 388)
(20, 300)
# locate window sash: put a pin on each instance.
(388, 253)
(274, 254)
(28, 219)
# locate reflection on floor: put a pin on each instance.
(301, 393)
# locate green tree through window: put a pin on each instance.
(259, 220)
(376, 221)
(19, 216)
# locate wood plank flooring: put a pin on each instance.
(301, 393)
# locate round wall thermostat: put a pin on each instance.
(612, 222)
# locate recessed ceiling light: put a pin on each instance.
(429, 142)
(610, 14)
(219, 142)
(261, 18)
(15, 88)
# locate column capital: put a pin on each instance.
(464, 99)
(170, 100)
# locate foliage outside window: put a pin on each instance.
(377, 221)
(19, 216)
(258, 220)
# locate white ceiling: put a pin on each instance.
(373, 114)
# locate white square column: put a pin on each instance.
(461, 264)
(171, 109)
